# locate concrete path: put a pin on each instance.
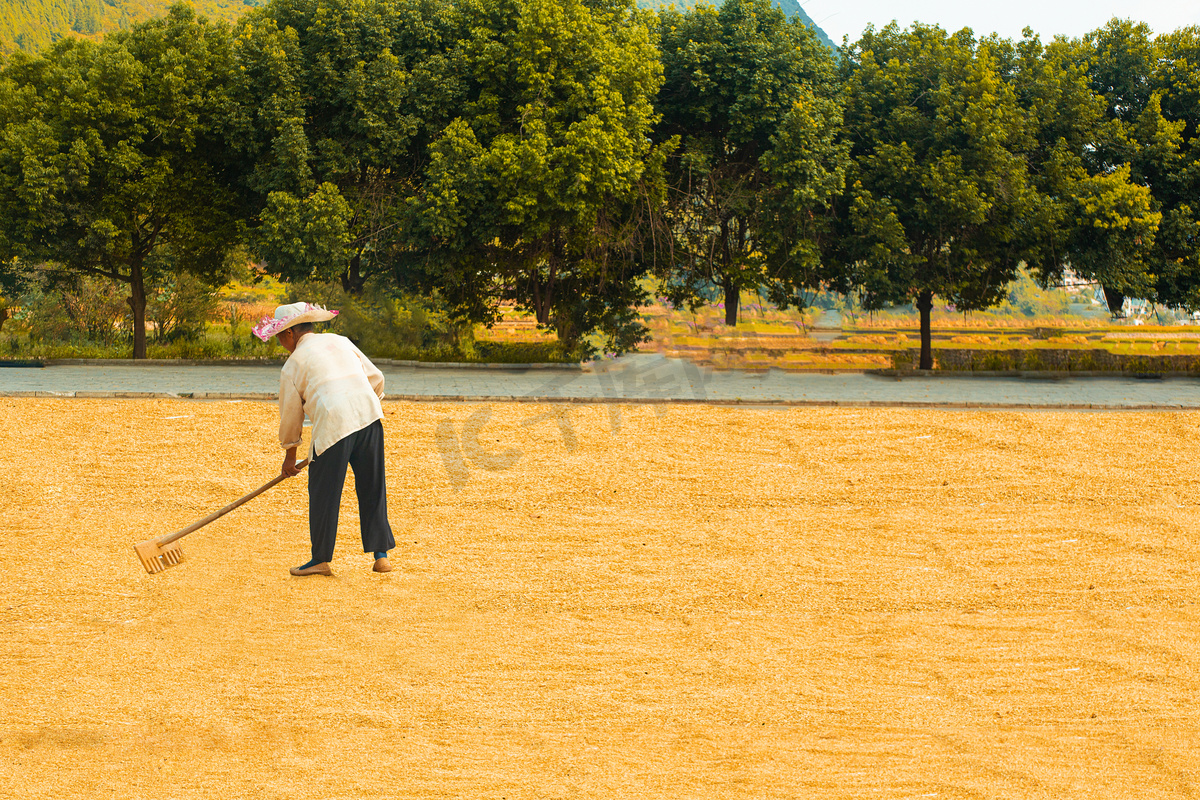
(638, 378)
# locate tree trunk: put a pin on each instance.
(352, 280)
(733, 297)
(544, 300)
(925, 305)
(541, 300)
(137, 302)
(1115, 301)
(568, 337)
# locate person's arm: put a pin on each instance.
(374, 376)
(289, 464)
(291, 423)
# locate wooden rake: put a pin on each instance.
(158, 554)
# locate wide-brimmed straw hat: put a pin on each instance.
(289, 315)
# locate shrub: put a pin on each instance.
(522, 352)
(180, 307)
(386, 326)
(6, 310)
(83, 310)
(994, 361)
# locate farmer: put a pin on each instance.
(328, 379)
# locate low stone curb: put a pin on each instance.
(473, 365)
(1028, 374)
(593, 401)
(161, 362)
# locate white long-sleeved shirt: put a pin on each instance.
(331, 381)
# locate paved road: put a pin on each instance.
(646, 378)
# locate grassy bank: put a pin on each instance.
(419, 329)
(216, 345)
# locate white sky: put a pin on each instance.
(1006, 17)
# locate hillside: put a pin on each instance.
(32, 24)
(790, 7)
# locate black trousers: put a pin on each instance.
(363, 452)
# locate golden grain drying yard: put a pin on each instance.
(703, 603)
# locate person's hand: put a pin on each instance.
(289, 469)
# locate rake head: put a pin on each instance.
(156, 557)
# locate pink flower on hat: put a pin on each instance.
(289, 315)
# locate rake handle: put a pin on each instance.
(195, 526)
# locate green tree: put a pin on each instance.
(532, 187)
(340, 101)
(111, 153)
(1150, 89)
(938, 197)
(1168, 162)
(1094, 218)
(806, 172)
(748, 96)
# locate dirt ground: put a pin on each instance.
(634, 602)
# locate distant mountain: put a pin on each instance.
(32, 24)
(790, 7)
(793, 9)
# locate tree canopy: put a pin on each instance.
(339, 104)
(529, 185)
(938, 199)
(748, 104)
(1151, 93)
(112, 162)
(564, 156)
(1095, 219)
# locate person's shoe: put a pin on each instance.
(315, 569)
(382, 565)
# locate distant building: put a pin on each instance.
(1072, 281)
